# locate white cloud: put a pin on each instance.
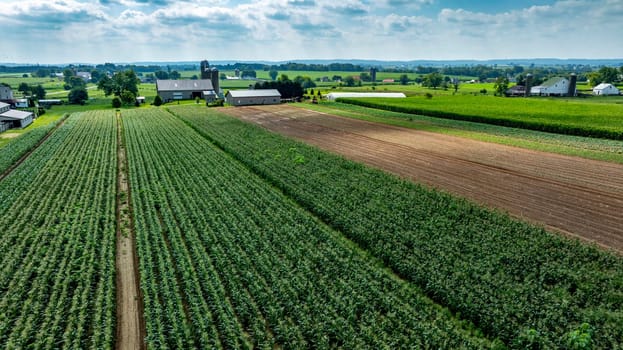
(126, 30)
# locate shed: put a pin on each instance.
(604, 89)
(170, 90)
(253, 97)
(517, 90)
(16, 119)
(335, 95)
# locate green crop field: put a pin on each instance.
(516, 282)
(581, 117)
(246, 239)
(57, 285)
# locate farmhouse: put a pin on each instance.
(6, 94)
(170, 90)
(13, 118)
(253, 97)
(557, 86)
(604, 89)
(334, 95)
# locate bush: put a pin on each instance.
(116, 102)
(157, 101)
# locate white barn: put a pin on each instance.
(334, 95)
(253, 97)
(557, 86)
(14, 118)
(605, 89)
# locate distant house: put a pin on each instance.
(170, 90)
(557, 86)
(21, 103)
(14, 118)
(86, 76)
(388, 81)
(6, 93)
(334, 95)
(253, 97)
(604, 89)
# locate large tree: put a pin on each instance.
(39, 92)
(433, 80)
(500, 86)
(24, 88)
(78, 96)
(121, 85)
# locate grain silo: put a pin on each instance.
(573, 80)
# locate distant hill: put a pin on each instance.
(616, 62)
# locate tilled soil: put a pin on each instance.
(575, 196)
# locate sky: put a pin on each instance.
(98, 31)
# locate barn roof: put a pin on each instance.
(603, 86)
(553, 81)
(14, 114)
(184, 85)
(255, 93)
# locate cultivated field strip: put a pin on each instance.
(581, 197)
(18, 147)
(517, 282)
(226, 261)
(57, 240)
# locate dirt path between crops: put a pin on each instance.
(579, 197)
(130, 324)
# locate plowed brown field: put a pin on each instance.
(579, 197)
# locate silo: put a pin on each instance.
(573, 79)
(214, 77)
(205, 69)
(373, 74)
(528, 85)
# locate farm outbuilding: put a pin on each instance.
(334, 95)
(253, 97)
(605, 89)
(14, 118)
(170, 90)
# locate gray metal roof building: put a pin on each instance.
(253, 97)
(170, 90)
(14, 118)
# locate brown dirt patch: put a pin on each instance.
(576, 196)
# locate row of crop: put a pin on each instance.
(538, 124)
(515, 281)
(57, 243)
(228, 262)
(17, 147)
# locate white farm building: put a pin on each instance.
(253, 97)
(605, 89)
(557, 86)
(11, 118)
(335, 95)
